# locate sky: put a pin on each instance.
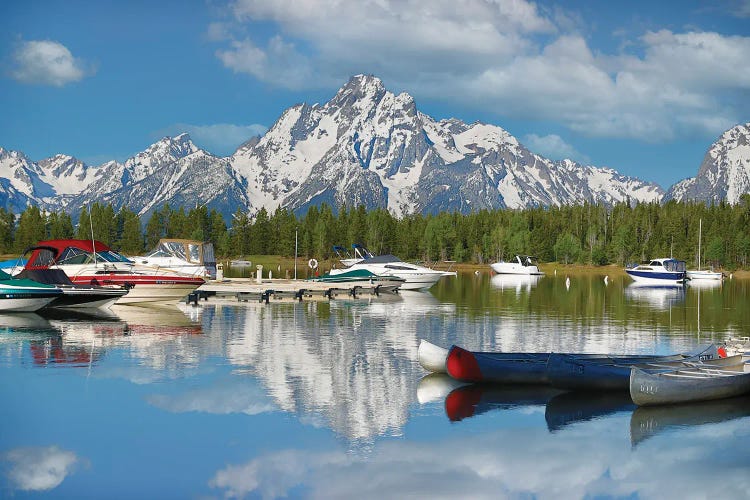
(643, 87)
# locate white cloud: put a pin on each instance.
(46, 62)
(507, 463)
(553, 146)
(220, 138)
(222, 398)
(39, 469)
(279, 63)
(509, 57)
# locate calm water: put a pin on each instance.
(327, 400)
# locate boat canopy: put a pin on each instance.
(52, 252)
(674, 265)
(195, 252)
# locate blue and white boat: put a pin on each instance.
(25, 295)
(659, 272)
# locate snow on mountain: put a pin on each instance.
(364, 146)
(724, 173)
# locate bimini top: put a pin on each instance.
(59, 252)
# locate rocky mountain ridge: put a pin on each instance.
(365, 146)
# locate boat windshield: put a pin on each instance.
(73, 255)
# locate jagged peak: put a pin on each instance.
(178, 146)
(10, 153)
(358, 88)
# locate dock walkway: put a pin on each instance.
(250, 289)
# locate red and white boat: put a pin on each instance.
(89, 262)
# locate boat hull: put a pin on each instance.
(595, 374)
(683, 386)
(704, 275)
(146, 293)
(656, 278)
(85, 298)
(24, 304)
(514, 268)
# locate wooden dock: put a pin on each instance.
(267, 290)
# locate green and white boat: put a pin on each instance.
(25, 295)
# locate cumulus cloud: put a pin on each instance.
(553, 146)
(219, 138)
(515, 462)
(46, 62)
(506, 56)
(222, 398)
(39, 469)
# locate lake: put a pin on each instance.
(326, 399)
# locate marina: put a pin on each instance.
(337, 385)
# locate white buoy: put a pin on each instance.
(555, 272)
(606, 280)
(567, 283)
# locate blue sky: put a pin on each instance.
(640, 86)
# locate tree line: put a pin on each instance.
(585, 234)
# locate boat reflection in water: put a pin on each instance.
(647, 421)
(571, 407)
(705, 284)
(563, 409)
(81, 338)
(656, 296)
(436, 386)
(517, 282)
(475, 399)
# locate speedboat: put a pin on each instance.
(75, 296)
(659, 272)
(88, 262)
(415, 277)
(25, 295)
(522, 264)
(191, 257)
(360, 277)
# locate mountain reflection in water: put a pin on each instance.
(327, 399)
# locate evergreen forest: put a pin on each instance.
(584, 234)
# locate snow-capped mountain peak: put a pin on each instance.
(367, 146)
(724, 173)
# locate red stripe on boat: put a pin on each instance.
(462, 365)
(462, 402)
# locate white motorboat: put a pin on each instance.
(522, 264)
(415, 277)
(191, 257)
(659, 272)
(88, 262)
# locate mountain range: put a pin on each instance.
(365, 146)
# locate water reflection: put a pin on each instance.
(517, 282)
(471, 400)
(39, 468)
(646, 422)
(562, 409)
(303, 399)
(656, 296)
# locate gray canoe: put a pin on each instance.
(699, 383)
(571, 372)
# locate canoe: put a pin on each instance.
(659, 387)
(571, 372)
(433, 358)
(511, 368)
